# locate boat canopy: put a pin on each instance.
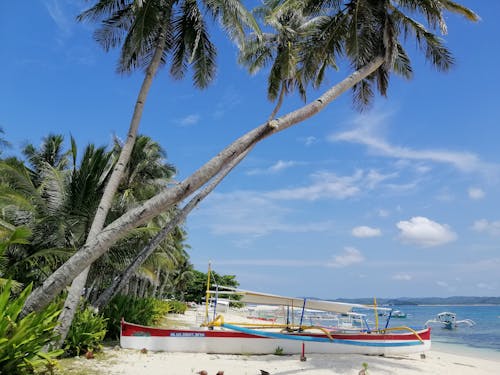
(312, 304)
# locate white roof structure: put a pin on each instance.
(312, 304)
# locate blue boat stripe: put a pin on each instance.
(277, 335)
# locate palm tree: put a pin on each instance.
(281, 50)
(145, 175)
(55, 203)
(357, 48)
(176, 220)
(150, 31)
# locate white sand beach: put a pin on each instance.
(116, 361)
(133, 362)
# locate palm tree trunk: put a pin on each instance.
(120, 281)
(98, 245)
(142, 287)
(157, 283)
(78, 283)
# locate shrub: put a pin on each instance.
(23, 339)
(176, 307)
(86, 332)
(144, 311)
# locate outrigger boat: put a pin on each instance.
(268, 337)
(449, 320)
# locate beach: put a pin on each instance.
(114, 361)
(443, 360)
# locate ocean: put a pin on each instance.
(484, 336)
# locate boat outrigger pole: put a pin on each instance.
(207, 295)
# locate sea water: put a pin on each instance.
(483, 337)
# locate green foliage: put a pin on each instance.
(176, 307)
(278, 350)
(197, 286)
(86, 333)
(145, 311)
(22, 339)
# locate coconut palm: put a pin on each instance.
(145, 174)
(313, 35)
(56, 205)
(281, 50)
(171, 228)
(49, 153)
(151, 30)
(357, 48)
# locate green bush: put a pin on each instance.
(177, 307)
(144, 311)
(23, 339)
(86, 332)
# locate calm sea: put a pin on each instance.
(484, 335)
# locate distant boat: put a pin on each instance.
(398, 314)
(449, 320)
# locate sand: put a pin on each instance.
(114, 361)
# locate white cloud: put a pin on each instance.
(252, 214)
(483, 225)
(271, 262)
(189, 120)
(308, 141)
(58, 14)
(365, 232)
(402, 277)
(424, 232)
(485, 286)
(279, 166)
(348, 257)
(366, 132)
(476, 193)
(325, 185)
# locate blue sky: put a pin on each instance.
(401, 200)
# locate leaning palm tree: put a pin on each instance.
(170, 227)
(372, 57)
(151, 31)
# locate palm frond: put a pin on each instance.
(192, 46)
(234, 17)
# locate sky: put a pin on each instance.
(399, 200)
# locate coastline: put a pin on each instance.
(117, 361)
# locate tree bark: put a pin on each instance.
(78, 284)
(99, 244)
(178, 219)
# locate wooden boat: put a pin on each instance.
(217, 336)
(233, 339)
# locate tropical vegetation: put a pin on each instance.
(22, 340)
(66, 215)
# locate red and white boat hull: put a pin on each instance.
(239, 340)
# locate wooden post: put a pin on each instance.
(303, 356)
